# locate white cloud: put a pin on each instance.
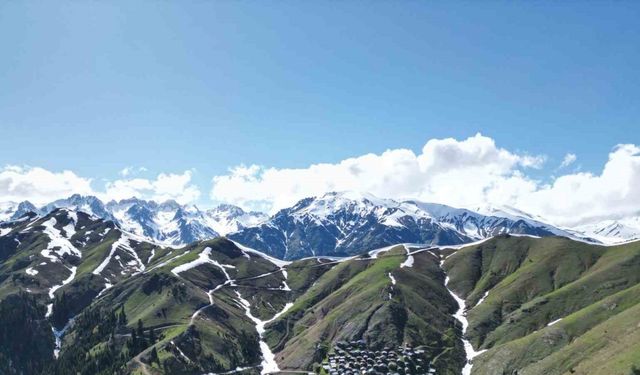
(164, 186)
(129, 170)
(569, 159)
(463, 173)
(40, 185)
(580, 197)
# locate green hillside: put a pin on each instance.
(533, 282)
(120, 305)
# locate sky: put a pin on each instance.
(534, 105)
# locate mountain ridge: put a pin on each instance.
(333, 224)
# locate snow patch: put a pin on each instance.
(554, 322)
(123, 244)
(58, 245)
(373, 254)
(409, 261)
(482, 299)
(278, 262)
(203, 258)
(460, 315)
(269, 364)
(181, 352)
(153, 253)
(66, 281)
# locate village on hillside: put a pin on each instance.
(352, 358)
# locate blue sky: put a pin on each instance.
(94, 87)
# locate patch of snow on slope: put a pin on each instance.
(57, 241)
(483, 298)
(66, 281)
(460, 315)
(32, 272)
(121, 243)
(153, 253)
(181, 352)
(203, 258)
(278, 262)
(70, 229)
(373, 254)
(269, 364)
(554, 322)
(409, 261)
(285, 287)
(107, 286)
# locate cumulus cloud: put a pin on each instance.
(468, 173)
(41, 186)
(581, 197)
(462, 173)
(569, 159)
(165, 186)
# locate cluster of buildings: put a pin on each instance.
(351, 358)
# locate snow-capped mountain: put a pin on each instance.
(167, 222)
(347, 223)
(612, 231)
(342, 224)
(335, 224)
(489, 221)
(13, 210)
(87, 204)
(227, 218)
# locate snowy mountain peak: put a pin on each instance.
(612, 231)
(345, 223)
(166, 222)
(13, 211)
(227, 218)
(86, 203)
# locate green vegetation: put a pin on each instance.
(127, 321)
(594, 290)
(357, 299)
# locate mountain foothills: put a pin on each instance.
(79, 295)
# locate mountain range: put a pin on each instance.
(342, 224)
(334, 224)
(168, 222)
(78, 295)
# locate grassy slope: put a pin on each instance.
(532, 282)
(356, 299)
